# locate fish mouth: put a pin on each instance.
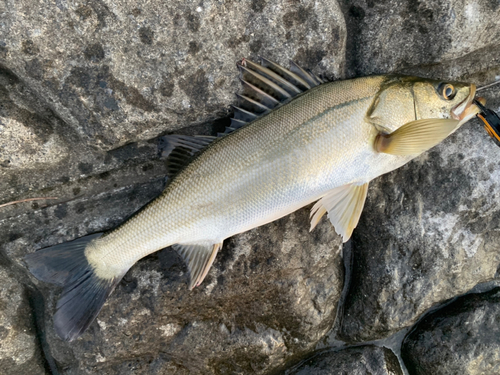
(466, 109)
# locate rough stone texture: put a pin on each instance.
(85, 87)
(392, 35)
(272, 295)
(428, 230)
(119, 71)
(361, 360)
(428, 234)
(461, 338)
(19, 346)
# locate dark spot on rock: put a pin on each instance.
(80, 207)
(76, 190)
(94, 52)
(104, 175)
(35, 205)
(34, 69)
(422, 29)
(370, 3)
(136, 12)
(124, 153)
(3, 334)
(84, 11)
(8, 75)
(193, 21)
(79, 77)
(129, 286)
(131, 94)
(61, 211)
(194, 47)
(30, 48)
(196, 87)
(85, 168)
(14, 236)
(146, 35)
(300, 17)
(357, 12)
(64, 179)
(3, 50)
(258, 5)
(167, 87)
(147, 167)
(309, 58)
(255, 46)
(111, 103)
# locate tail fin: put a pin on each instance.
(84, 292)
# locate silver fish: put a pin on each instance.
(294, 140)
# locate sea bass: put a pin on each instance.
(294, 140)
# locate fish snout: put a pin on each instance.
(466, 109)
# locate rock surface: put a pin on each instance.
(85, 87)
(362, 360)
(19, 345)
(272, 294)
(427, 232)
(461, 338)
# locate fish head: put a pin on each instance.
(402, 99)
(444, 100)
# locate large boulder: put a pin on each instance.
(359, 360)
(84, 90)
(461, 338)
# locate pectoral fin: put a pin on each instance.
(344, 206)
(199, 258)
(415, 137)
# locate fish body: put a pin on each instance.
(277, 164)
(325, 145)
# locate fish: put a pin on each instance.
(294, 140)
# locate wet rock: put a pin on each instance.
(461, 338)
(19, 347)
(427, 235)
(271, 295)
(387, 36)
(361, 360)
(427, 232)
(117, 74)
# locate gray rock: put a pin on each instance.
(115, 73)
(428, 230)
(388, 36)
(428, 234)
(19, 346)
(272, 294)
(360, 360)
(84, 89)
(461, 338)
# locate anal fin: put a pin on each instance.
(199, 258)
(344, 205)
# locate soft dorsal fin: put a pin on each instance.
(198, 258)
(180, 149)
(344, 205)
(266, 86)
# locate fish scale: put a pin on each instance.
(323, 145)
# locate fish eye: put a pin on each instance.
(446, 90)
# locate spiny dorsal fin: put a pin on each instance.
(266, 86)
(344, 205)
(180, 149)
(198, 258)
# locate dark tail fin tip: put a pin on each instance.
(84, 292)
